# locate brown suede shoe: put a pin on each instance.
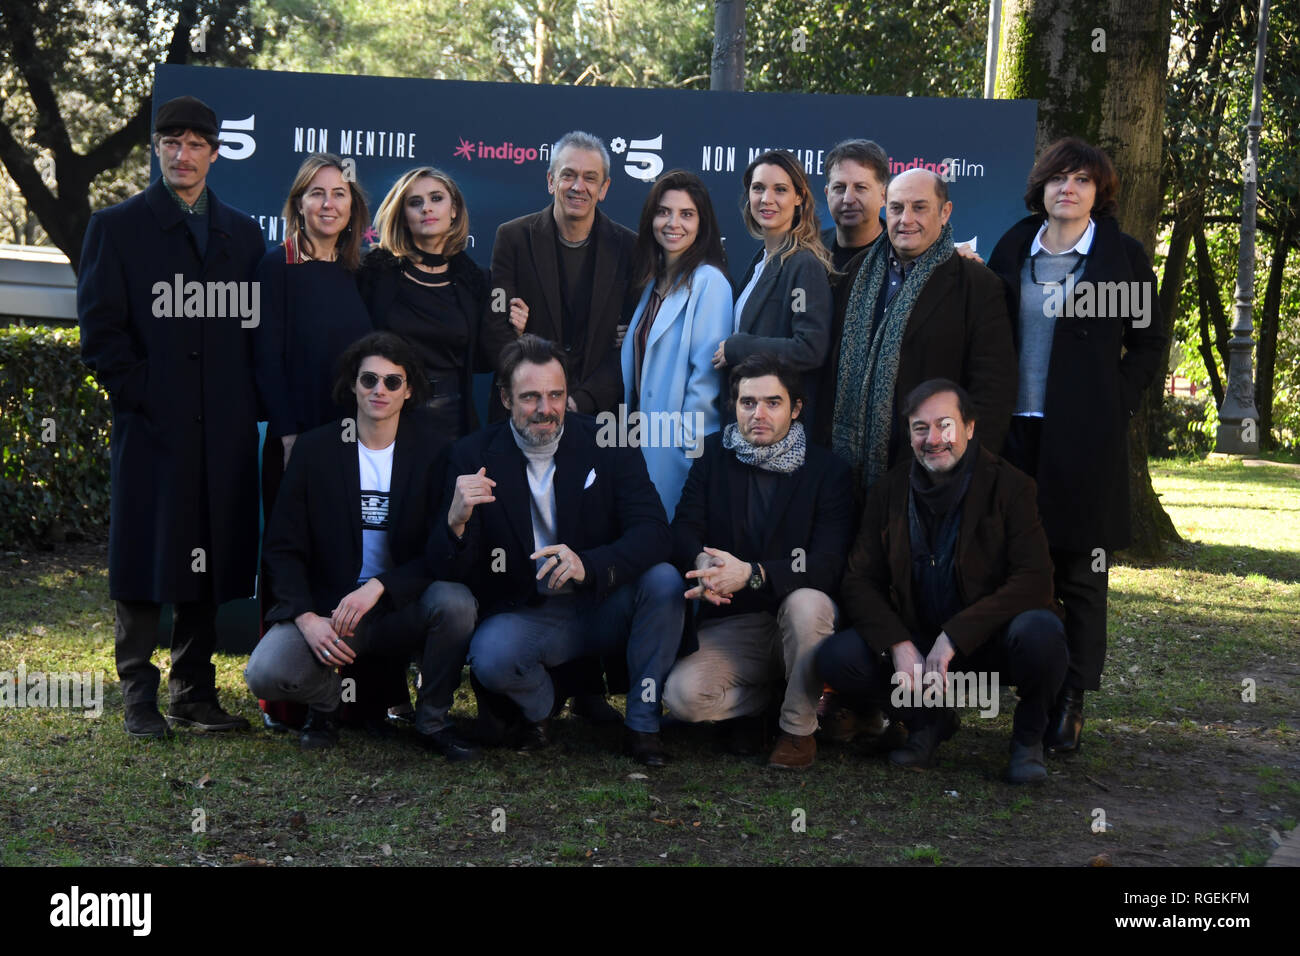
(793, 752)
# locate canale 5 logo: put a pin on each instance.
(640, 162)
(236, 144)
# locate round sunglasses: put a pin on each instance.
(391, 382)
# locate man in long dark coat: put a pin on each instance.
(167, 306)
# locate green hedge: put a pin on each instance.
(54, 430)
(1179, 425)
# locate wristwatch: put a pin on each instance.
(756, 576)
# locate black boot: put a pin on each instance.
(1026, 764)
(1067, 723)
(498, 717)
(321, 730)
(923, 742)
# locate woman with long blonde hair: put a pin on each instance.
(784, 303)
(421, 283)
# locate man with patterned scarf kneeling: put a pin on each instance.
(762, 528)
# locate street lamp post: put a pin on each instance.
(1238, 419)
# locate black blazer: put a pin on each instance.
(773, 321)
(1097, 372)
(606, 510)
(377, 281)
(958, 330)
(525, 265)
(812, 510)
(312, 551)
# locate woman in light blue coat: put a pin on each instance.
(684, 310)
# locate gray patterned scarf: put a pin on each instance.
(782, 456)
(868, 369)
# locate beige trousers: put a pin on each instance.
(742, 656)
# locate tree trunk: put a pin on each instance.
(1102, 77)
(1213, 351)
(543, 41)
(1268, 326)
(1188, 213)
(728, 67)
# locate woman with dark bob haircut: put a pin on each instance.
(1082, 298)
(684, 310)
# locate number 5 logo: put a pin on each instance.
(237, 145)
(643, 165)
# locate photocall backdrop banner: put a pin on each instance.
(494, 140)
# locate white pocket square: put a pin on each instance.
(591, 479)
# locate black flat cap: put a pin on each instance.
(186, 112)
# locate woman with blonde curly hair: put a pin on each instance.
(784, 303)
(421, 283)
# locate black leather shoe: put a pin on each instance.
(320, 731)
(595, 709)
(143, 722)
(1064, 731)
(1026, 765)
(534, 736)
(270, 723)
(401, 718)
(923, 743)
(449, 744)
(647, 749)
(205, 715)
(744, 736)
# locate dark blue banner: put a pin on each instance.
(494, 140)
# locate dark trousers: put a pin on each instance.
(1029, 653)
(1082, 593)
(1080, 589)
(435, 630)
(193, 638)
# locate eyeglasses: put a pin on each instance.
(391, 382)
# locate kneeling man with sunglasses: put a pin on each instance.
(345, 555)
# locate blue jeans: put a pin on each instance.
(510, 651)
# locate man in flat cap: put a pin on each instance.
(167, 308)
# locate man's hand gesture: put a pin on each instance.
(471, 490)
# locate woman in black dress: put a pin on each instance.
(1084, 365)
(420, 283)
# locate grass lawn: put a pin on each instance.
(1176, 767)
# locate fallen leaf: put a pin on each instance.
(202, 782)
